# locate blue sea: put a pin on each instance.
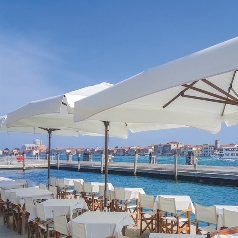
(201, 193)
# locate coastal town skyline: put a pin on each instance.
(166, 148)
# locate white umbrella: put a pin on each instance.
(200, 90)
(55, 114)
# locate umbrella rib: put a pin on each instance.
(49, 129)
(219, 89)
(206, 92)
(230, 88)
(183, 91)
(211, 100)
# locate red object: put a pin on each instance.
(19, 158)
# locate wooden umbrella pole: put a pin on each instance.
(106, 124)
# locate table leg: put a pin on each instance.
(112, 205)
(124, 230)
(158, 221)
(137, 210)
(189, 222)
(23, 223)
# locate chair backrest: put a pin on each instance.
(230, 218)
(53, 190)
(147, 201)
(60, 183)
(53, 181)
(207, 214)
(13, 198)
(3, 196)
(40, 211)
(120, 193)
(78, 186)
(42, 186)
(87, 187)
(167, 204)
(78, 230)
(28, 204)
(22, 181)
(102, 189)
(61, 225)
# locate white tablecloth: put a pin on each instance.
(70, 181)
(130, 193)
(181, 202)
(219, 210)
(4, 179)
(103, 224)
(59, 207)
(96, 186)
(10, 184)
(34, 193)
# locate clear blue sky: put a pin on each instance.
(49, 48)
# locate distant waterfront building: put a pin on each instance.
(158, 149)
(217, 144)
(132, 150)
(37, 145)
(207, 150)
(171, 147)
(0, 152)
(122, 151)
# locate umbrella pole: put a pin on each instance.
(106, 124)
(49, 136)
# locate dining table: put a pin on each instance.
(10, 184)
(219, 211)
(30, 192)
(58, 207)
(104, 224)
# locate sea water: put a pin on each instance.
(201, 193)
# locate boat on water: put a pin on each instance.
(227, 153)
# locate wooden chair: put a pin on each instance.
(101, 199)
(147, 217)
(54, 191)
(45, 225)
(42, 186)
(62, 192)
(90, 196)
(53, 181)
(230, 218)
(78, 189)
(175, 223)
(6, 209)
(22, 181)
(31, 224)
(61, 226)
(206, 214)
(124, 205)
(78, 230)
(17, 214)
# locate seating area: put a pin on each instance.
(74, 208)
